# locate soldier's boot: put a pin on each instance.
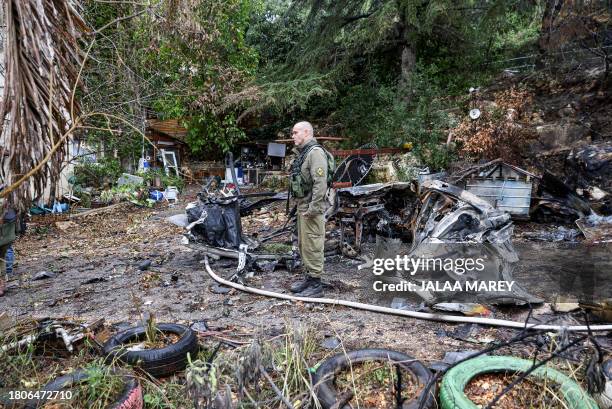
(313, 289)
(300, 285)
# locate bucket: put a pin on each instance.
(156, 195)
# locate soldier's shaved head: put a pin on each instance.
(302, 133)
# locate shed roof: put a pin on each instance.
(169, 127)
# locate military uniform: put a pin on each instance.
(7, 237)
(310, 207)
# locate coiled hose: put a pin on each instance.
(403, 313)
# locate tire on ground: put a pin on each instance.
(452, 394)
(156, 362)
(323, 379)
(130, 398)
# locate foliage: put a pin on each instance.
(137, 194)
(177, 59)
(102, 387)
(205, 57)
(106, 171)
(166, 180)
(377, 70)
(342, 64)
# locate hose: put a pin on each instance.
(403, 313)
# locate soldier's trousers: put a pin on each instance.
(311, 242)
(7, 237)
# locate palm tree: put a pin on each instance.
(42, 65)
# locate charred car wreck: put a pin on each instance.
(444, 221)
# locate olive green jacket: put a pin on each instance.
(314, 175)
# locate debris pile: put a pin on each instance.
(500, 128)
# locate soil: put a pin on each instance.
(374, 385)
(161, 340)
(527, 394)
(97, 257)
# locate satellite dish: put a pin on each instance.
(475, 113)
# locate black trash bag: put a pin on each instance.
(221, 227)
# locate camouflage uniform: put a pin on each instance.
(310, 209)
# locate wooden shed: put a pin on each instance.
(167, 135)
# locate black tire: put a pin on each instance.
(131, 396)
(156, 362)
(323, 379)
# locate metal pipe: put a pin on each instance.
(230, 162)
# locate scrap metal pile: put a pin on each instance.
(425, 219)
(455, 222)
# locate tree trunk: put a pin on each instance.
(408, 63)
(552, 9)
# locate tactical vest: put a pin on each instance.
(297, 185)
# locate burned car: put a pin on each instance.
(453, 224)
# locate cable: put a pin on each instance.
(412, 314)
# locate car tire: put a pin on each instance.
(453, 384)
(323, 379)
(158, 362)
(131, 396)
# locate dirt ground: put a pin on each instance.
(96, 260)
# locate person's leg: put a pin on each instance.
(301, 284)
(313, 247)
(10, 260)
(3, 250)
(313, 239)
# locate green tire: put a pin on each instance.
(452, 394)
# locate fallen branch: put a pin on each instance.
(274, 387)
(96, 211)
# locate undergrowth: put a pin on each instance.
(270, 372)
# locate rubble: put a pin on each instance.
(450, 216)
(380, 208)
(42, 275)
(557, 203)
(561, 233)
(469, 309)
(596, 228)
(592, 165)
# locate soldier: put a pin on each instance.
(309, 186)
(7, 237)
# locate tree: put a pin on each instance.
(379, 69)
(172, 59)
(39, 111)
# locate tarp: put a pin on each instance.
(220, 222)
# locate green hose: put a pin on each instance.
(456, 379)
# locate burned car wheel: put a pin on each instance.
(324, 377)
(157, 362)
(130, 398)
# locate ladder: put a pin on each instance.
(169, 159)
